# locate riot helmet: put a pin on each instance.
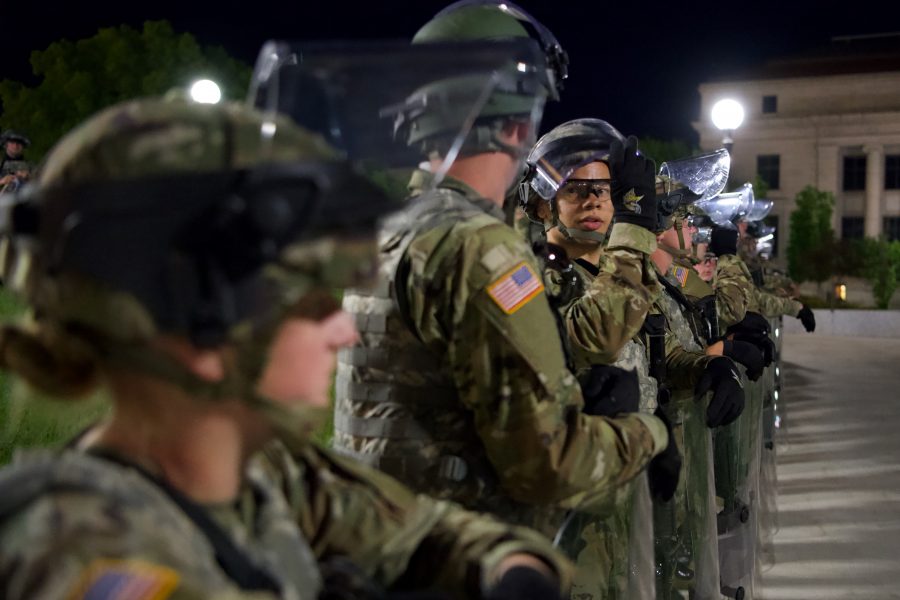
(550, 164)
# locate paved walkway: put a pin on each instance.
(838, 471)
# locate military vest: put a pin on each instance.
(396, 404)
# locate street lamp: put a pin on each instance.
(727, 115)
(206, 91)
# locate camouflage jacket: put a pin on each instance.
(769, 304)
(616, 300)
(75, 525)
(731, 287)
(685, 360)
(633, 353)
(460, 386)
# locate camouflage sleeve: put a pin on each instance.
(77, 546)
(400, 539)
(615, 304)
(503, 348)
(683, 367)
(733, 285)
(772, 305)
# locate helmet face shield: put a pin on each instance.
(759, 210)
(704, 175)
(725, 208)
(375, 102)
(560, 152)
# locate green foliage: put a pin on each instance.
(760, 187)
(27, 420)
(79, 78)
(665, 150)
(811, 249)
(882, 268)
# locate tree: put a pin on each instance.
(811, 247)
(663, 150)
(882, 268)
(117, 63)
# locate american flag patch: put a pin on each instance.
(681, 274)
(515, 288)
(125, 580)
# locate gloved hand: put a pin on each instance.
(727, 402)
(762, 342)
(748, 354)
(664, 468)
(808, 319)
(609, 391)
(753, 323)
(633, 184)
(723, 241)
(523, 583)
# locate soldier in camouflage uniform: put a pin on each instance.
(459, 386)
(685, 528)
(182, 256)
(14, 169)
(614, 554)
(763, 301)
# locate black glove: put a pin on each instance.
(748, 354)
(723, 241)
(808, 319)
(609, 391)
(664, 468)
(633, 184)
(762, 342)
(523, 583)
(753, 323)
(727, 401)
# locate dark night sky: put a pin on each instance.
(636, 64)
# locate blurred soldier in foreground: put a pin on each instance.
(198, 293)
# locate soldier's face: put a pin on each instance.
(585, 201)
(14, 149)
(302, 358)
(670, 235)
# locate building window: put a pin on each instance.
(770, 105)
(892, 172)
(854, 173)
(892, 228)
(769, 167)
(852, 228)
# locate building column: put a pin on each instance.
(874, 186)
(828, 168)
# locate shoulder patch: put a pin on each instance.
(515, 288)
(106, 579)
(681, 274)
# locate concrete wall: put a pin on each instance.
(850, 323)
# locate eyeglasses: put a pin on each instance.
(578, 190)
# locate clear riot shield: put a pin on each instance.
(393, 107)
(613, 553)
(686, 546)
(737, 451)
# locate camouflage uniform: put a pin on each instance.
(614, 554)
(73, 524)
(769, 304)
(684, 527)
(460, 387)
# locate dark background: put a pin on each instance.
(636, 64)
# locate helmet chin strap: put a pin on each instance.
(581, 237)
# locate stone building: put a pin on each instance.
(830, 119)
